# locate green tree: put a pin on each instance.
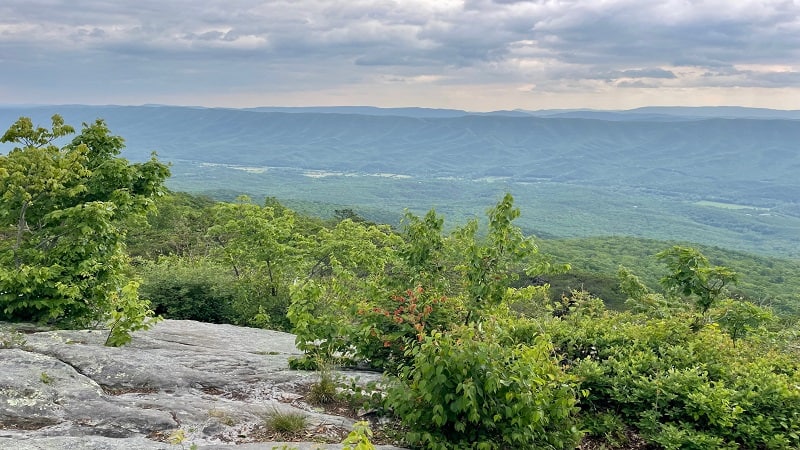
(490, 265)
(640, 299)
(64, 214)
(692, 275)
(423, 251)
(263, 251)
(345, 273)
(177, 226)
(738, 318)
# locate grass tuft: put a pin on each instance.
(286, 422)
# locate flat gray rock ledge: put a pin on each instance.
(217, 383)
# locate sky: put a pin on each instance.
(477, 55)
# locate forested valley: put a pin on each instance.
(488, 337)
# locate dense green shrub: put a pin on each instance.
(680, 388)
(206, 290)
(194, 289)
(467, 389)
(257, 304)
(392, 325)
(606, 426)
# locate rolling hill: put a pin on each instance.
(720, 176)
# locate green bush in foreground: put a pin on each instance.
(679, 388)
(467, 389)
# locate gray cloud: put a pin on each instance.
(282, 45)
(638, 84)
(654, 72)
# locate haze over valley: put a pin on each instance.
(718, 176)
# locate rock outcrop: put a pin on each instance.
(214, 385)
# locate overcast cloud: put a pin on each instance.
(469, 54)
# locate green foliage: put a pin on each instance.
(763, 281)
(45, 378)
(738, 318)
(677, 387)
(177, 437)
(252, 238)
(225, 262)
(130, 314)
(642, 300)
(675, 437)
(359, 438)
(349, 267)
(191, 288)
(490, 267)
(631, 285)
(423, 252)
(606, 425)
(175, 227)
(601, 285)
(64, 214)
(466, 389)
(530, 301)
(692, 275)
(402, 316)
(356, 301)
(317, 321)
(391, 327)
(260, 247)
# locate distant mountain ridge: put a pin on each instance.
(673, 113)
(652, 113)
(744, 160)
(647, 112)
(744, 157)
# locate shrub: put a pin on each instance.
(193, 289)
(130, 314)
(392, 325)
(606, 425)
(359, 438)
(680, 388)
(467, 390)
(256, 303)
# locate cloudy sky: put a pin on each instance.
(470, 54)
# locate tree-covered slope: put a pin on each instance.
(595, 261)
(662, 174)
(740, 160)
